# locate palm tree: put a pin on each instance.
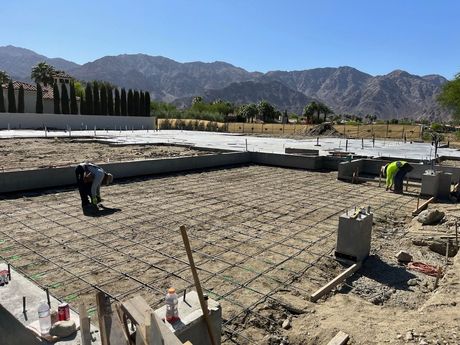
(4, 77)
(310, 110)
(325, 110)
(43, 73)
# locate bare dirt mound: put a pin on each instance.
(324, 129)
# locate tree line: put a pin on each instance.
(96, 98)
(224, 111)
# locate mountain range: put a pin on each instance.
(345, 90)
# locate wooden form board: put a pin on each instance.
(85, 327)
(151, 330)
(334, 282)
(110, 325)
(340, 338)
(423, 206)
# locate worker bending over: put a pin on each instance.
(395, 173)
(89, 179)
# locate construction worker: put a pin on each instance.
(89, 179)
(395, 173)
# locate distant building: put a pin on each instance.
(30, 97)
(61, 77)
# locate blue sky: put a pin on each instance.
(375, 36)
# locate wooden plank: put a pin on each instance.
(423, 206)
(101, 305)
(141, 335)
(85, 327)
(340, 338)
(110, 325)
(168, 336)
(153, 330)
(199, 291)
(136, 308)
(334, 282)
(150, 329)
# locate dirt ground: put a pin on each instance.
(263, 239)
(23, 154)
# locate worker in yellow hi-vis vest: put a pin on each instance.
(395, 173)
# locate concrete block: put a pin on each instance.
(444, 185)
(429, 183)
(191, 325)
(346, 169)
(436, 184)
(354, 236)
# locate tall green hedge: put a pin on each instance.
(109, 101)
(136, 103)
(130, 102)
(11, 98)
(39, 100)
(73, 100)
(89, 100)
(116, 110)
(96, 102)
(64, 99)
(103, 106)
(21, 99)
(147, 103)
(123, 106)
(57, 99)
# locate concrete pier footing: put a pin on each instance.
(191, 325)
(354, 235)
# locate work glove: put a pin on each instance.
(94, 200)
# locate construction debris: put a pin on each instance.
(63, 329)
(403, 256)
(340, 338)
(430, 217)
(325, 128)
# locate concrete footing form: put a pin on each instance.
(256, 229)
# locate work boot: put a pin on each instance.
(90, 209)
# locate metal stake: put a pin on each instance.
(48, 296)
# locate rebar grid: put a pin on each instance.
(250, 223)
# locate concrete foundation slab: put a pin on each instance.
(12, 300)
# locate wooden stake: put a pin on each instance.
(447, 252)
(334, 282)
(423, 206)
(84, 325)
(456, 233)
(199, 291)
(438, 274)
(110, 326)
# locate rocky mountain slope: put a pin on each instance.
(18, 62)
(344, 89)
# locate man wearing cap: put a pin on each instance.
(89, 179)
(395, 173)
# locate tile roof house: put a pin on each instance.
(30, 96)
